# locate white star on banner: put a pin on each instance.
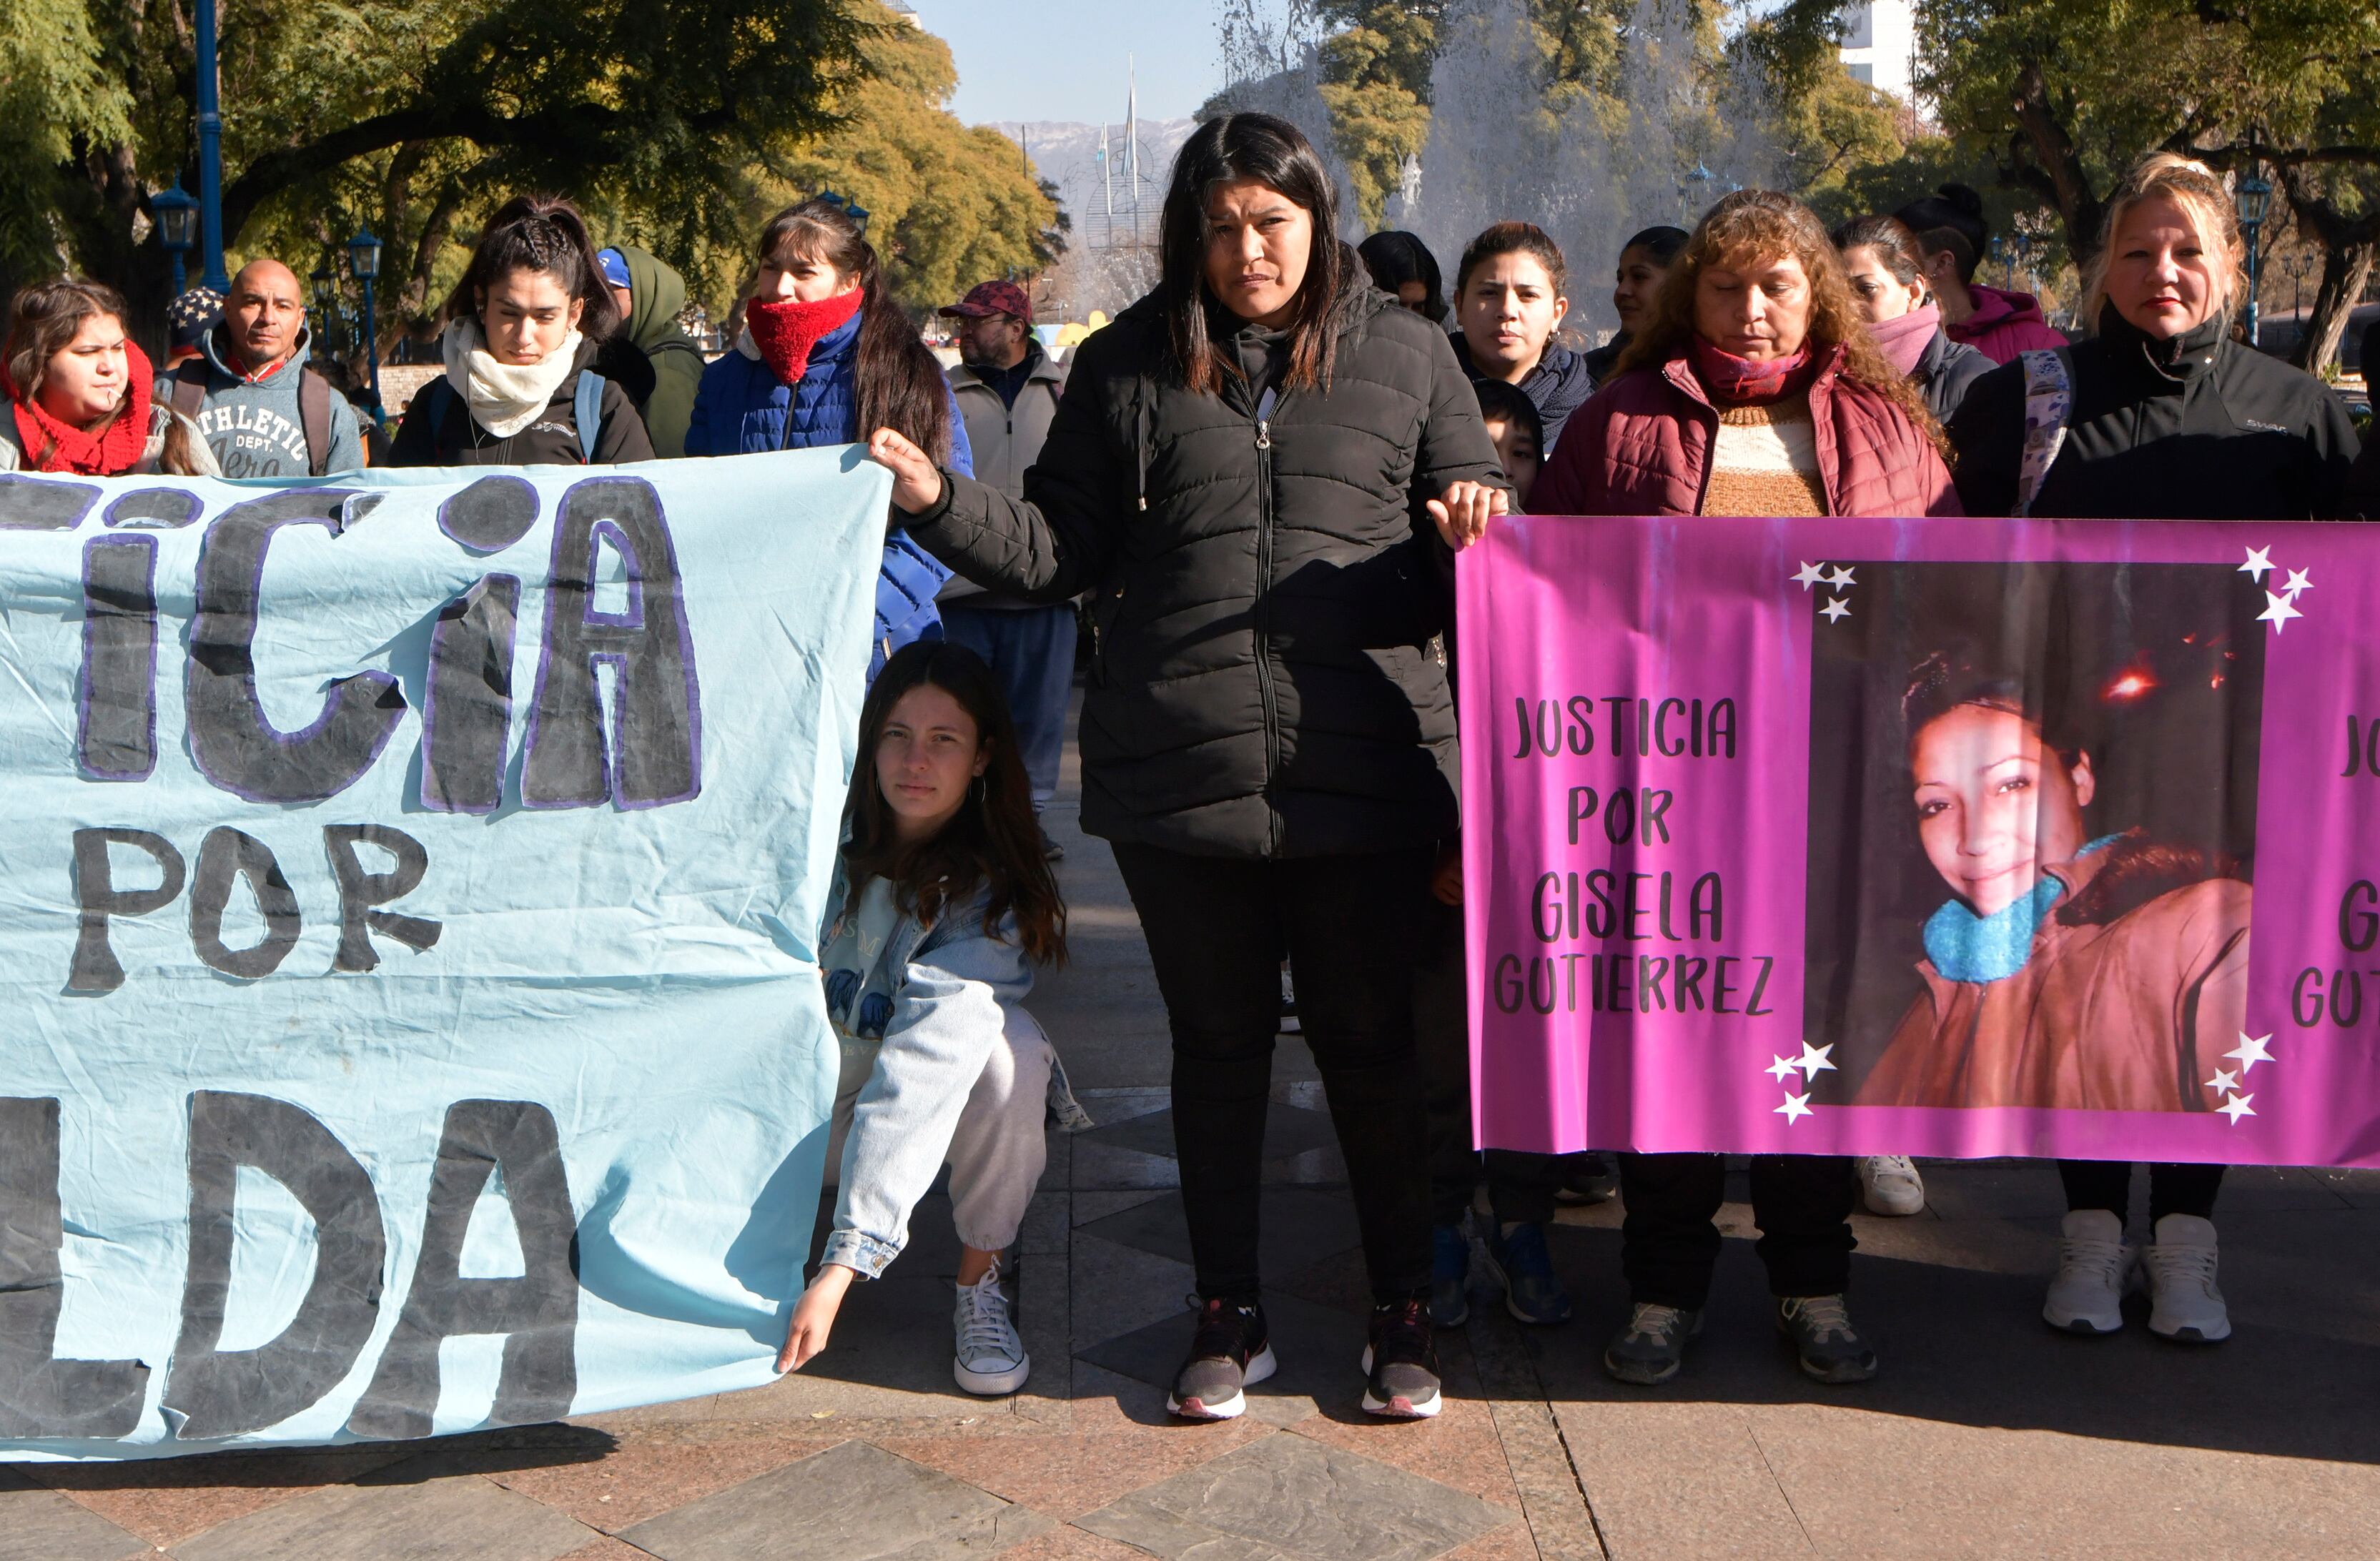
(1840, 578)
(2299, 581)
(1796, 1107)
(1809, 575)
(1783, 1068)
(2260, 563)
(2237, 1108)
(2249, 1051)
(1814, 1062)
(2224, 1080)
(1835, 609)
(2278, 611)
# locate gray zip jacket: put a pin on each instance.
(951, 985)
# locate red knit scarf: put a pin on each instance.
(1741, 382)
(113, 450)
(786, 328)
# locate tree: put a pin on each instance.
(55, 96)
(1375, 71)
(2063, 98)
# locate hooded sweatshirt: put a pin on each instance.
(656, 294)
(2004, 324)
(252, 424)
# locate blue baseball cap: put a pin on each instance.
(615, 267)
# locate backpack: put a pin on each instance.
(586, 410)
(2048, 402)
(313, 407)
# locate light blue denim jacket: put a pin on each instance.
(951, 985)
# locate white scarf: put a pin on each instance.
(504, 397)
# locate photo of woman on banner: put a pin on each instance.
(2068, 969)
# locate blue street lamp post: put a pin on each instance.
(363, 261)
(211, 149)
(2254, 195)
(177, 222)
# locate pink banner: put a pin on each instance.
(1953, 837)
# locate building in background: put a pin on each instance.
(1880, 46)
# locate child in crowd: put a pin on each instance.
(941, 905)
(1512, 422)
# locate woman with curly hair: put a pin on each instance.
(1754, 390)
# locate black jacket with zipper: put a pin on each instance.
(2197, 428)
(1945, 371)
(552, 440)
(1266, 591)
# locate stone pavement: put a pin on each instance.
(1986, 1435)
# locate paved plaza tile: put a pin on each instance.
(855, 1500)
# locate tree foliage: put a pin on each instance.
(673, 121)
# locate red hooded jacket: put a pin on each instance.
(2004, 324)
(1642, 447)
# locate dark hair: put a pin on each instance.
(994, 839)
(42, 321)
(1663, 241)
(1395, 258)
(1276, 154)
(1891, 240)
(2370, 361)
(1959, 210)
(1512, 238)
(539, 232)
(1956, 676)
(900, 381)
(1503, 402)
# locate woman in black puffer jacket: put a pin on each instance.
(1252, 469)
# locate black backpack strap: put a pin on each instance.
(314, 417)
(191, 388)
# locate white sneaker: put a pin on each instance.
(1889, 1184)
(990, 1357)
(2087, 1297)
(2184, 1305)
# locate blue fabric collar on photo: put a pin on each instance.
(1966, 947)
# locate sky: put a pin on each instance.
(1065, 59)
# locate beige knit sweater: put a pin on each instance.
(1765, 462)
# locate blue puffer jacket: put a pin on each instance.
(742, 408)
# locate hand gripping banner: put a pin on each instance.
(1953, 837)
(409, 887)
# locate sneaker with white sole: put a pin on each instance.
(1828, 1348)
(990, 1357)
(2184, 1305)
(1230, 1351)
(1401, 1362)
(1889, 1184)
(2087, 1297)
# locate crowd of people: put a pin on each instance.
(1254, 483)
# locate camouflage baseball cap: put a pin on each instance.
(992, 298)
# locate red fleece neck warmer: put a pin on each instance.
(785, 328)
(54, 446)
(1738, 381)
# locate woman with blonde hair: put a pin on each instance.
(78, 391)
(2161, 414)
(1755, 389)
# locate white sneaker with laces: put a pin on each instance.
(2184, 1305)
(2087, 1297)
(990, 1357)
(1889, 1184)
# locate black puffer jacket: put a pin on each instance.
(1265, 590)
(552, 440)
(1945, 371)
(2197, 428)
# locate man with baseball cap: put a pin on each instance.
(1007, 390)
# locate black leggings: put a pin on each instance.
(1521, 1186)
(1351, 924)
(1801, 1203)
(2173, 1189)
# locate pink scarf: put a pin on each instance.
(1739, 382)
(1905, 340)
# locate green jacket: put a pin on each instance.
(656, 294)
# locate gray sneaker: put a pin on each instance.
(1649, 1350)
(1820, 1329)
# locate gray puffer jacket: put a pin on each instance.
(1266, 587)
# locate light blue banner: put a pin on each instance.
(408, 892)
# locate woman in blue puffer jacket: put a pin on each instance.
(826, 355)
